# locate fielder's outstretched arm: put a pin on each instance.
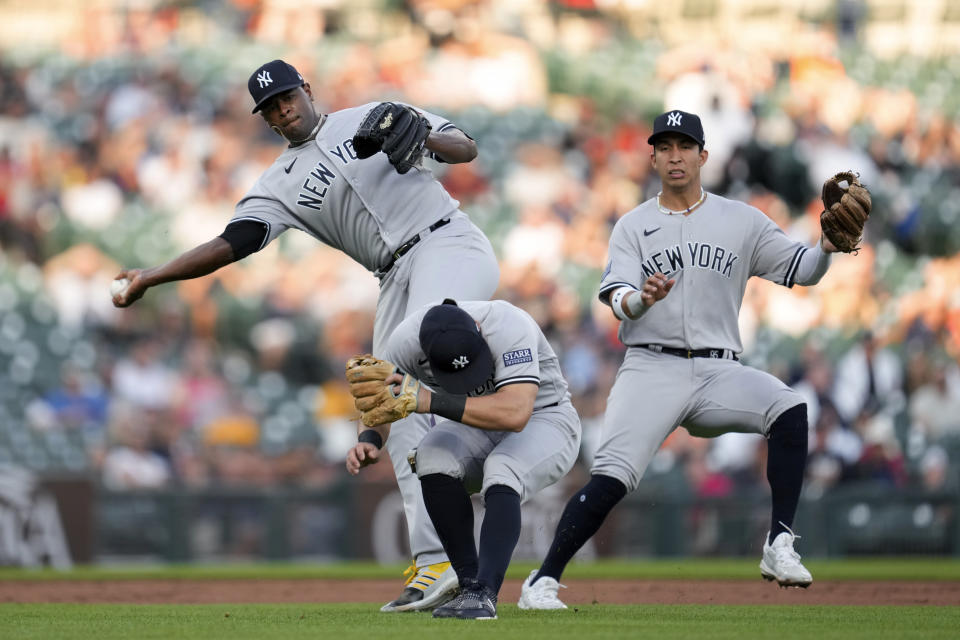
(199, 261)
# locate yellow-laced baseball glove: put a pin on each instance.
(373, 397)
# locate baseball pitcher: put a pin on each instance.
(678, 266)
(505, 428)
(354, 180)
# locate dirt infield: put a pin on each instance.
(579, 592)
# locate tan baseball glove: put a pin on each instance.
(373, 397)
(845, 211)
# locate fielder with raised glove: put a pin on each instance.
(397, 130)
(846, 209)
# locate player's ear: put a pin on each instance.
(703, 156)
(308, 90)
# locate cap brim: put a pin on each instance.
(274, 92)
(471, 377)
(653, 137)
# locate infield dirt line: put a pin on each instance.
(579, 592)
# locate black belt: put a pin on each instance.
(409, 244)
(686, 353)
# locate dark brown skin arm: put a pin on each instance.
(199, 261)
(452, 145)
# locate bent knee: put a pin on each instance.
(437, 459)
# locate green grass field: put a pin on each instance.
(215, 622)
(345, 621)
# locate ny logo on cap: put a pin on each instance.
(460, 362)
(264, 78)
(673, 120)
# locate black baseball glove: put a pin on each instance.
(397, 130)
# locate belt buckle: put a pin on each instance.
(402, 249)
(689, 354)
(412, 459)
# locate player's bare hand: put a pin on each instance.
(134, 290)
(361, 455)
(656, 288)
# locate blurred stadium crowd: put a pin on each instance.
(129, 139)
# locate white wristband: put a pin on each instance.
(635, 306)
(616, 302)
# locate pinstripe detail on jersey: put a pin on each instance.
(266, 238)
(790, 278)
(607, 289)
(516, 379)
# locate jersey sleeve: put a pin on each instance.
(624, 260)
(775, 257)
(266, 211)
(439, 123)
(516, 356)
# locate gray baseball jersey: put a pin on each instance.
(520, 351)
(367, 210)
(711, 253)
(527, 461)
(361, 207)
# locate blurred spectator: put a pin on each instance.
(200, 394)
(935, 470)
(869, 379)
(935, 407)
(129, 463)
(143, 379)
(81, 402)
(882, 459)
(78, 281)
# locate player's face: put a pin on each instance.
(291, 113)
(677, 160)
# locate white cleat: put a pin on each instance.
(540, 595)
(781, 563)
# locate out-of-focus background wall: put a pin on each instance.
(210, 420)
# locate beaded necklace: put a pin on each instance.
(663, 209)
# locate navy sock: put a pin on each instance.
(451, 512)
(581, 518)
(499, 534)
(786, 462)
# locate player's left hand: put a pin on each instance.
(828, 246)
(361, 455)
(656, 288)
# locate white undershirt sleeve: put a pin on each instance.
(813, 264)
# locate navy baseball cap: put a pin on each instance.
(270, 79)
(459, 356)
(681, 122)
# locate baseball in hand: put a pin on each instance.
(118, 286)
